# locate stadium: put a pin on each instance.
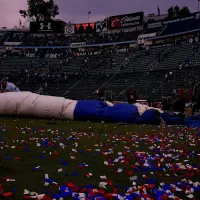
(101, 110)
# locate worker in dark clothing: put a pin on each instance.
(164, 103)
(179, 103)
(196, 98)
(131, 96)
(100, 94)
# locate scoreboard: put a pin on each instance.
(85, 28)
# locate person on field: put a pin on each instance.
(196, 98)
(100, 94)
(131, 96)
(179, 103)
(8, 86)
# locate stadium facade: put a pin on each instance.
(124, 51)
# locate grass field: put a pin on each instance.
(119, 161)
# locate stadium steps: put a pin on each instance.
(85, 87)
(104, 85)
(129, 83)
(121, 83)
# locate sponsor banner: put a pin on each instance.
(155, 17)
(48, 55)
(69, 29)
(114, 23)
(158, 42)
(12, 43)
(16, 50)
(85, 28)
(158, 24)
(155, 25)
(192, 16)
(47, 27)
(87, 53)
(30, 55)
(141, 38)
(77, 45)
(159, 46)
(148, 42)
(81, 49)
(126, 21)
(8, 48)
(101, 27)
(132, 45)
(52, 55)
(121, 50)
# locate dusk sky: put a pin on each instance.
(9, 9)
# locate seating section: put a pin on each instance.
(152, 73)
(78, 73)
(62, 40)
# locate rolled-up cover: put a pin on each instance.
(35, 105)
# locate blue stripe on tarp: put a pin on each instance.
(97, 111)
(93, 110)
(192, 121)
(171, 119)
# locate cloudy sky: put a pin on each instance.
(9, 15)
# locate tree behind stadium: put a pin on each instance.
(178, 12)
(40, 10)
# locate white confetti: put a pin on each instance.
(26, 191)
(103, 177)
(60, 170)
(119, 170)
(133, 178)
(105, 163)
(103, 184)
(190, 196)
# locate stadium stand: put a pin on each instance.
(142, 66)
(114, 61)
(89, 39)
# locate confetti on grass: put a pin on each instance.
(151, 163)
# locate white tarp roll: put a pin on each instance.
(34, 105)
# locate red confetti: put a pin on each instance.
(7, 194)
(109, 182)
(101, 191)
(70, 185)
(1, 188)
(129, 173)
(56, 153)
(27, 197)
(46, 197)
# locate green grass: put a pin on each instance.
(20, 154)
